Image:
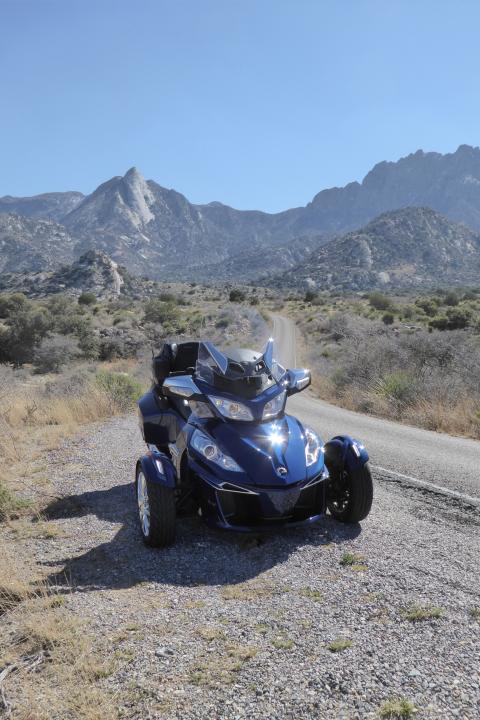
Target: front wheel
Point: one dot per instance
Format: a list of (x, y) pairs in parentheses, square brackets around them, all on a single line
[(350, 496), (156, 510)]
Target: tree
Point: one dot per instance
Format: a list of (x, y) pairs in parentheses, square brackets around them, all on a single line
[(25, 330)]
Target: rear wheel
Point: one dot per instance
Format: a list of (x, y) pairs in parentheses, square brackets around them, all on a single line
[(156, 511), (350, 495)]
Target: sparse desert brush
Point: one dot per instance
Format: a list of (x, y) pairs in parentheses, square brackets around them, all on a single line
[(50, 661)]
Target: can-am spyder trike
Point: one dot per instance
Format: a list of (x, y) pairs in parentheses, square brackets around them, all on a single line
[(221, 445)]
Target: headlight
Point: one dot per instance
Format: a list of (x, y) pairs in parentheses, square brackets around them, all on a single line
[(206, 447), (274, 407), (200, 409), (231, 408), (313, 446)]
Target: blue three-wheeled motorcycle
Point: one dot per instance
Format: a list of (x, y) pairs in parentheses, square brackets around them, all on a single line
[(221, 445)]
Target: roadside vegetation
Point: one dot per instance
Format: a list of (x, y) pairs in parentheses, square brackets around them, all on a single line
[(65, 363), (410, 358)]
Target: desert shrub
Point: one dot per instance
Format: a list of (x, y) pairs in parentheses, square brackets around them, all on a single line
[(26, 327), (236, 295), (222, 322), (456, 318), (439, 323), (8, 502), (451, 298), (87, 298), (398, 387), (88, 344), (428, 305), (122, 389), (159, 311), (254, 300), (379, 301), (11, 302), (388, 318), (54, 352), (310, 295)]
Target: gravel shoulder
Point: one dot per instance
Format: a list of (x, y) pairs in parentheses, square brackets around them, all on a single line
[(234, 626)]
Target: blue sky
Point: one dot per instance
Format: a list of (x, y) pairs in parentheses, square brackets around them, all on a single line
[(256, 103)]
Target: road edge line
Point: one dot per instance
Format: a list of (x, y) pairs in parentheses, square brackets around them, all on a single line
[(430, 487)]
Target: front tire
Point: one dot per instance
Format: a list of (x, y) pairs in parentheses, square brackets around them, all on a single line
[(156, 510), (350, 496)]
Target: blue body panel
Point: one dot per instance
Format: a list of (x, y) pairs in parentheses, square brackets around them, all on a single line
[(161, 472), (352, 452)]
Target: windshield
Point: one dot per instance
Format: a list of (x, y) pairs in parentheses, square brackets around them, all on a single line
[(242, 372)]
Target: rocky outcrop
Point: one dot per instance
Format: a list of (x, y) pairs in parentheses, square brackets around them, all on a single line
[(405, 248)]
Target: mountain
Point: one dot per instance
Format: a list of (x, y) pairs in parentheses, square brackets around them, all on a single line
[(410, 247), (157, 232), (49, 206), (29, 245), (447, 183), (93, 272), (255, 263)]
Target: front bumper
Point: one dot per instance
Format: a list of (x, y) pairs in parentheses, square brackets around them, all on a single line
[(258, 508)]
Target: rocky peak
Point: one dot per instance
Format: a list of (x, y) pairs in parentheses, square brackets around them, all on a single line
[(138, 197)]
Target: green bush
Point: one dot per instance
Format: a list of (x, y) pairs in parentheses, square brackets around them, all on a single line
[(388, 318), (160, 311), (11, 302), (428, 305), (310, 295), (397, 387), (87, 298), (451, 298), (379, 301), (236, 295), (457, 318), (27, 325), (120, 387)]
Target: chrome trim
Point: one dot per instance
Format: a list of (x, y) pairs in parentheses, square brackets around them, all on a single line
[(180, 385), (241, 490)]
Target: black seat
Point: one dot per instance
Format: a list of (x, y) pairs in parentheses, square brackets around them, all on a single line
[(173, 358)]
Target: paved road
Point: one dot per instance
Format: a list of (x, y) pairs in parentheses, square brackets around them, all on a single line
[(407, 453)]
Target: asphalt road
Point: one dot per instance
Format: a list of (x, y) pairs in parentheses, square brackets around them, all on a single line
[(401, 453)]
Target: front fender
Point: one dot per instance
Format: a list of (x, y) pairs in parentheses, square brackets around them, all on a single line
[(343, 452), (158, 468)]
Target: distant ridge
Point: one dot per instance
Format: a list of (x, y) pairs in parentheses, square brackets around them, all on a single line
[(154, 231)]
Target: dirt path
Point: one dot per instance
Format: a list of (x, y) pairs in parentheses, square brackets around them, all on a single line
[(227, 626)]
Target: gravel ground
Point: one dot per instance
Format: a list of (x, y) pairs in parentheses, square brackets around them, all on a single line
[(229, 626)]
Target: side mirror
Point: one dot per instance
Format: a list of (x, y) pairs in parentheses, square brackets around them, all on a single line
[(297, 380), (181, 386)]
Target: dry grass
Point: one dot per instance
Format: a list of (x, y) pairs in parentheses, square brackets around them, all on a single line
[(339, 645), (419, 613), (397, 709), (33, 421), (38, 632)]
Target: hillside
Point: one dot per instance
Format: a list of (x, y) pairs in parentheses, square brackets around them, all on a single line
[(404, 248), (93, 272), (156, 231), (29, 245)]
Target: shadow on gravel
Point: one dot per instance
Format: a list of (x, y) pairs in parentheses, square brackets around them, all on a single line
[(200, 556)]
